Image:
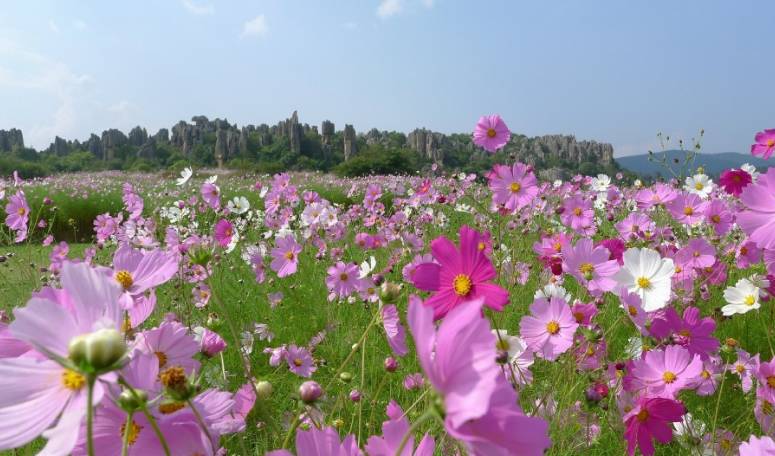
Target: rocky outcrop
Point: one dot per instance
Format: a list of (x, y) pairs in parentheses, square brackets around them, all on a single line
[(137, 136), (327, 131), (111, 140), (560, 147), (291, 129), (10, 139), (162, 136), (427, 143), (350, 146)]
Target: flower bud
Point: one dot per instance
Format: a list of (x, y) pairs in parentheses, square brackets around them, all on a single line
[(389, 292), (346, 377), (310, 391), (264, 389), (355, 396), (391, 364), (98, 350), (131, 400), (501, 357)]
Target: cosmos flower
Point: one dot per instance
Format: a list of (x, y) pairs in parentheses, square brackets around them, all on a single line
[(172, 345), (577, 213), (513, 187), (300, 361), (696, 254), (765, 144), (591, 266), (185, 175), (317, 442), (342, 279), (665, 372), (758, 446), (18, 215), (745, 367), (549, 329), (687, 208), (648, 275), (285, 256), (741, 298), (238, 205), (649, 420), (211, 194), (393, 432), (491, 133), (396, 335), (461, 275), (733, 181), (758, 220), (691, 332), (223, 233), (700, 185)]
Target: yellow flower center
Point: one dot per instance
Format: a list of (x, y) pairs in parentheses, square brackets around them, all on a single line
[(21, 211), (688, 210), (289, 255), (743, 250), (515, 187), (298, 362), (557, 246), (552, 327), (173, 378), (72, 380), (481, 246), (771, 143), (134, 431), (740, 368), (644, 282), (587, 268), (343, 277), (491, 133), (171, 407), (668, 377), (162, 357), (699, 186), (749, 300), (462, 284), (705, 374), (632, 310), (771, 381), (643, 415), (767, 408), (577, 211), (578, 316), (715, 219), (124, 278)]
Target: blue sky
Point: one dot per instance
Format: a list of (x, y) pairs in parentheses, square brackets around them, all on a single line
[(612, 71)]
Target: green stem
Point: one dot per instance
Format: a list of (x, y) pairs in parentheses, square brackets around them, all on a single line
[(430, 413), (91, 379), (354, 350), (292, 430), (157, 431), (127, 431)]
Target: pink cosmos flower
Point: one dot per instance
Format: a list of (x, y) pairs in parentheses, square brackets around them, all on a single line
[(18, 215), (549, 328), (659, 194), (224, 232), (394, 330), (633, 305), (758, 220), (747, 255), (491, 133), (210, 342), (765, 376), (745, 367), (650, 420), (393, 432), (697, 254), (461, 275), (765, 144), (687, 208), (138, 271), (300, 361), (758, 446), (691, 332), (514, 187), (172, 345), (577, 213), (342, 279), (591, 266), (459, 360), (211, 195), (38, 395), (317, 442), (718, 216), (733, 181), (285, 256), (665, 372), (634, 226)]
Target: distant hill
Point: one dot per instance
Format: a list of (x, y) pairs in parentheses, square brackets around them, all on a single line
[(712, 163)]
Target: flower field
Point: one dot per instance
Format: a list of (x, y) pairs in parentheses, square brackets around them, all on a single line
[(224, 313)]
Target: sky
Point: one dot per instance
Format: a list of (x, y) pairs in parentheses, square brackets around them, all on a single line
[(610, 71)]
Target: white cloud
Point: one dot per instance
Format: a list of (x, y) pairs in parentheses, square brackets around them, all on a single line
[(198, 9), (53, 26), (427, 3), (255, 27), (79, 24), (389, 8)]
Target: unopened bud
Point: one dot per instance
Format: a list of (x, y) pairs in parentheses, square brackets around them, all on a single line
[(264, 389), (131, 400), (310, 391), (389, 292), (391, 364), (98, 350), (346, 377)]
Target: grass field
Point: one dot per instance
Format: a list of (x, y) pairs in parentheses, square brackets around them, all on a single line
[(304, 311)]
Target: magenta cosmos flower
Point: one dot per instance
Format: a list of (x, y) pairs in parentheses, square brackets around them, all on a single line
[(577, 213), (697, 254), (491, 133), (691, 332), (651, 419), (342, 279), (211, 194), (665, 372), (549, 328), (224, 232), (733, 181), (393, 432), (18, 215), (285, 256), (317, 442), (513, 187), (765, 144), (758, 220), (460, 276), (38, 395), (481, 408), (591, 266)]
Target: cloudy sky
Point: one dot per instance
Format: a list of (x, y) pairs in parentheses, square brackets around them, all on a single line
[(611, 71)]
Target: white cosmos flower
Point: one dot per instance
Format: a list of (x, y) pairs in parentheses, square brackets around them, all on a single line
[(600, 183), (238, 205), (648, 275), (699, 184), (553, 291), (367, 267), (212, 179), (185, 175), (741, 298), (750, 169)]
